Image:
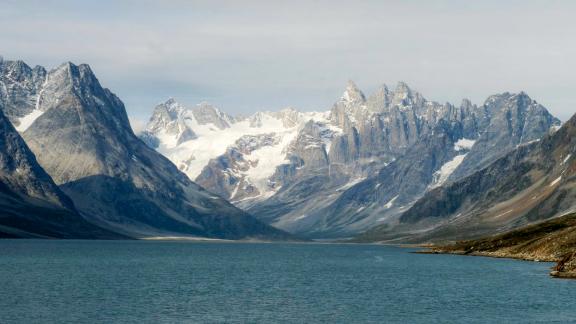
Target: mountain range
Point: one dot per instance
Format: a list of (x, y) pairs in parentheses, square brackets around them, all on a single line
[(389, 167), (531, 183), (80, 135), (337, 173)]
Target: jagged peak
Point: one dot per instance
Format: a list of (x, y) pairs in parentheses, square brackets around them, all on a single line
[(170, 105), (402, 88), (353, 93), (75, 75), (466, 103), (207, 106), (383, 88), (169, 102), (17, 65), (509, 96)]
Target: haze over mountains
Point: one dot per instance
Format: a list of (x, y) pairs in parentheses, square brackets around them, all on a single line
[(391, 166)]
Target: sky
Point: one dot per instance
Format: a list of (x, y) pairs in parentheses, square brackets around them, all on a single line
[(246, 56)]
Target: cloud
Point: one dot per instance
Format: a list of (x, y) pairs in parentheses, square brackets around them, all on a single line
[(248, 55)]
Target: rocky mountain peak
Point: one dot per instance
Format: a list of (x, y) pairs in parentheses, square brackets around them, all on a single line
[(402, 95), (206, 113), (163, 114), (466, 104), (113, 177), (76, 87), (352, 94), (19, 89), (380, 100)]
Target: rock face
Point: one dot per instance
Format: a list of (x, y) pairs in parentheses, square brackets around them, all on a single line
[(84, 141), (364, 162), (529, 184), (513, 119), (394, 147), (20, 87), (552, 240), (31, 204)]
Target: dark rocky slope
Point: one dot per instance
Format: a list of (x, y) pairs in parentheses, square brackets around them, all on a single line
[(84, 141), (31, 204), (552, 240), (532, 183)]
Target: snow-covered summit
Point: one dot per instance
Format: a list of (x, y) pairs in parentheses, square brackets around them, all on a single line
[(202, 136)]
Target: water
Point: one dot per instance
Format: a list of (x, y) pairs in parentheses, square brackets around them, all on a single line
[(180, 282)]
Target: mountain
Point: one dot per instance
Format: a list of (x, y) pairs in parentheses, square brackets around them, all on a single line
[(451, 147), (551, 240), (392, 155), (338, 173), (532, 183), (31, 204), (233, 157), (20, 87), (83, 139)]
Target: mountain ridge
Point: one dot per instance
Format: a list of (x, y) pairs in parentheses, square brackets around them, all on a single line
[(358, 138), (114, 179)]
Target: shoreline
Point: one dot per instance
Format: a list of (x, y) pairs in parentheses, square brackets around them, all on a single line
[(556, 271)]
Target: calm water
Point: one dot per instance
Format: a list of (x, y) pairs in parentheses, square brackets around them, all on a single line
[(173, 282)]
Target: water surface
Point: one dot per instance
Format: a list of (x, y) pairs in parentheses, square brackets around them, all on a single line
[(191, 282)]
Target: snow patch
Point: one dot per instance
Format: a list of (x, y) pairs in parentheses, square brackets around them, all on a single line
[(566, 158), (300, 217), (266, 159), (440, 176), (464, 144), (555, 181), (27, 120), (390, 203)]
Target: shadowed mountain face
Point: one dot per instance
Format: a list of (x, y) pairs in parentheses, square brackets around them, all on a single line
[(31, 204), (83, 139), (533, 182)]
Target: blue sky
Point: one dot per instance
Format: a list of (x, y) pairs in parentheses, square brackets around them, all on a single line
[(246, 56)]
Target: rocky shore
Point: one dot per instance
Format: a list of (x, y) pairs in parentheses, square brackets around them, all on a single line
[(552, 241)]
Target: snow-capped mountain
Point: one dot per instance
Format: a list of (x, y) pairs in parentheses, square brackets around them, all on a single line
[(361, 163), (20, 89), (234, 157), (83, 139)]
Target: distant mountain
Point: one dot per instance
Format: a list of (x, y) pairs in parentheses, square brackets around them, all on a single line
[(83, 139), (532, 183), (394, 147), (337, 173), (31, 204), (234, 157), (453, 147)]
